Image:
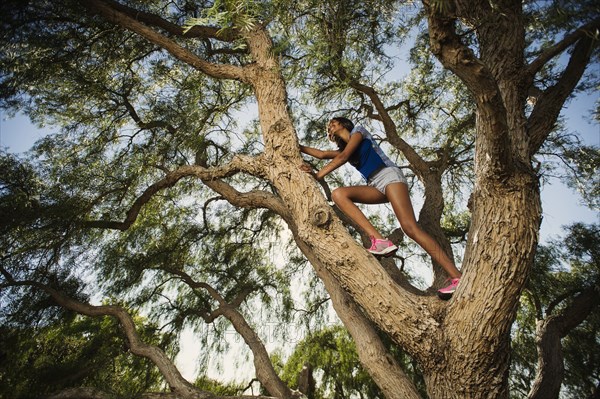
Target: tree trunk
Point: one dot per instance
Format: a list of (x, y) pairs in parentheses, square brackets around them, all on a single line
[(463, 345), (550, 365), (474, 361)]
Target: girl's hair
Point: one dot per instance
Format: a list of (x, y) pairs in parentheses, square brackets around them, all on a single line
[(347, 123)]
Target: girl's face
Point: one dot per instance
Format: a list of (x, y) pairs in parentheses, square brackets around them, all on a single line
[(332, 128)]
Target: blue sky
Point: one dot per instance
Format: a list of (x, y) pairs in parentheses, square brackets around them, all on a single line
[(561, 206)]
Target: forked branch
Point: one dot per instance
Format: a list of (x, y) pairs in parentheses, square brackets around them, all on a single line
[(138, 347), (218, 71), (209, 175)]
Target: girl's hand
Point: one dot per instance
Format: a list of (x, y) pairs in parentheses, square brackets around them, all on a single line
[(307, 168)]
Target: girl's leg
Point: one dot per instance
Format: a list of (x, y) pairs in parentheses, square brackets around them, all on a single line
[(397, 194), (345, 198)]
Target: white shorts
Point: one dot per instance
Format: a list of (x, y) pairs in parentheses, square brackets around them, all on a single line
[(385, 176)]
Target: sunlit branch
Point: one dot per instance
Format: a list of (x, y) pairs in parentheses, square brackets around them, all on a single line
[(174, 29), (219, 71)]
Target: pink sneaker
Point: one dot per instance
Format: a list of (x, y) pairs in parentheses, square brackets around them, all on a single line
[(446, 292), (382, 247)]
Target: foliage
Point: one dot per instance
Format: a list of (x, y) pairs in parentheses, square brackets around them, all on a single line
[(331, 355), (74, 351), (563, 268), (218, 388)]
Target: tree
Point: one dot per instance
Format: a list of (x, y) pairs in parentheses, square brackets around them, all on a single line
[(326, 362), (331, 354), (149, 140), (38, 362), (559, 315)]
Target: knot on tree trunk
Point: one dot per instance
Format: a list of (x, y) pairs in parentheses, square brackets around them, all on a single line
[(321, 217), (280, 138), (278, 126)]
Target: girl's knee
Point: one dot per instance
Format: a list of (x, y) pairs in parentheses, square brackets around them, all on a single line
[(410, 229), (339, 195)]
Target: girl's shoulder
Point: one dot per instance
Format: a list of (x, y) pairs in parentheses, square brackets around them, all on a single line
[(360, 129)]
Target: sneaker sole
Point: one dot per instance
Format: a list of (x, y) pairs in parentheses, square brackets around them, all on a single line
[(387, 251), (445, 295)]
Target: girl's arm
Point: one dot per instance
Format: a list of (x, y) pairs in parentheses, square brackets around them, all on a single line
[(319, 154), (341, 157)]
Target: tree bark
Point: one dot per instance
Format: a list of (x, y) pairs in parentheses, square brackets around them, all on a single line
[(549, 332), (373, 355), (506, 210)]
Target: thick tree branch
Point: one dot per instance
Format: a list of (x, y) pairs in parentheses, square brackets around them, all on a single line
[(207, 32), (373, 355), (551, 101), (238, 164), (536, 65), (173, 377), (447, 46), (263, 366), (549, 332), (252, 199), (218, 71)]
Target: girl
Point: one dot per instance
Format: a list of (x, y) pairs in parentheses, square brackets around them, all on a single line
[(385, 183)]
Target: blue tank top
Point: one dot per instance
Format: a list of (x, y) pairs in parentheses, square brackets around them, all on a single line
[(368, 156)]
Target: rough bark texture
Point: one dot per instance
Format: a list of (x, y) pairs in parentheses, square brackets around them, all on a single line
[(549, 332), (374, 356)]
